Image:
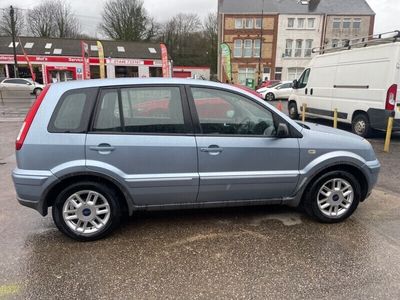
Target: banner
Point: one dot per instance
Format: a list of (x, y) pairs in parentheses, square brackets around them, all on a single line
[(164, 58), (86, 62), (33, 75), (226, 60), (100, 49)]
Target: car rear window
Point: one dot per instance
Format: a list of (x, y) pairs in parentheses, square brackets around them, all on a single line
[(73, 111)]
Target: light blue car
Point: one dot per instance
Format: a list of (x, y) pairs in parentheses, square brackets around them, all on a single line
[(97, 149)]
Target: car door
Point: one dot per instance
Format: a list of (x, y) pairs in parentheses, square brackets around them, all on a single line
[(240, 157), (283, 91), (143, 135)]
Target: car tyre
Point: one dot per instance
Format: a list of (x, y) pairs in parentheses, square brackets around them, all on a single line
[(270, 97), (37, 91), (293, 112), (99, 211), (361, 125), (320, 203)]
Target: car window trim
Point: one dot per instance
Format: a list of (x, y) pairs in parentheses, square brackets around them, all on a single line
[(188, 123), (196, 120)]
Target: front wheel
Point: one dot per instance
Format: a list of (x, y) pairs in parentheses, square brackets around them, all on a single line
[(270, 97), (293, 112), (86, 211), (361, 125), (333, 197)]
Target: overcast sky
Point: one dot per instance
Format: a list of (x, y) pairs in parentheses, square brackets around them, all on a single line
[(89, 12)]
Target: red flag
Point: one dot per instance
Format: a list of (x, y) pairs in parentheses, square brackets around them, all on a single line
[(164, 57), (33, 75), (85, 59)]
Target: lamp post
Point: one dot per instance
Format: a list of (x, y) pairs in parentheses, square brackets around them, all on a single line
[(13, 41), (261, 44)]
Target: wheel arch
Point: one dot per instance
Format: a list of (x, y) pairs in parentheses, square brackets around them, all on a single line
[(52, 191), (359, 112)]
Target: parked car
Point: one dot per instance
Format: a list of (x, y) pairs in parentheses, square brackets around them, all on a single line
[(19, 87), (87, 150), (362, 83), (279, 91), (268, 83)]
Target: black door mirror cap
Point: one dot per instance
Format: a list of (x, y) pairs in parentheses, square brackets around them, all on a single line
[(294, 85), (282, 131)]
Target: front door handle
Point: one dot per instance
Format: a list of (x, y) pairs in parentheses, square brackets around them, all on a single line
[(311, 92), (212, 150), (103, 148), (306, 91)]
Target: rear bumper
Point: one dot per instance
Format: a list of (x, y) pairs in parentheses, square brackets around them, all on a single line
[(30, 187), (379, 119)]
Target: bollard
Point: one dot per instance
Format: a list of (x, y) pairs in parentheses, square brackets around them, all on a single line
[(335, 117), (388, 134), (303, 113)]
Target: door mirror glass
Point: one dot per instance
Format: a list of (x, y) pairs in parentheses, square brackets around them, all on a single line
[(294, 85), (283, 131)]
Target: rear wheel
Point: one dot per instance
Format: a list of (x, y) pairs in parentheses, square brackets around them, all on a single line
[(361, 125), (333, 197), (270, 97), (293, 112), (86, 211)]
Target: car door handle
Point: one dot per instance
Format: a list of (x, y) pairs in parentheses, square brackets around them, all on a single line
[(102, 148), (306, 91), (311, 92), (213, 149)]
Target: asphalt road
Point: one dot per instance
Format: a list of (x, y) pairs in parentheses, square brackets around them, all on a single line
[(258, 253)]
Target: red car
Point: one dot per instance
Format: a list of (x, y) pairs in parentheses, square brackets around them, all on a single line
[(268, 83)]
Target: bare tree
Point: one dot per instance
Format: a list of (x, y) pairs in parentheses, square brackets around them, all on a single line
[(53, 18), (127, 20), (210, 32), (5, 22)]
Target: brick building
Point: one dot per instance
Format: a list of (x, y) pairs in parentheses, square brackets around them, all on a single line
[(285, 31)]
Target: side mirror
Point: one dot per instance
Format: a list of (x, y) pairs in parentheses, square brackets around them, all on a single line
[(295, 83), (283, 131)]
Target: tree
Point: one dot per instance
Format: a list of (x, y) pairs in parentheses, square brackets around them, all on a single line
[(127, 20), (53, 18), (210, 32), (5, 22)]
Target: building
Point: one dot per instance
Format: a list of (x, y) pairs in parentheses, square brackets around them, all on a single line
[(192, 72), (290, 30), (61, 59)]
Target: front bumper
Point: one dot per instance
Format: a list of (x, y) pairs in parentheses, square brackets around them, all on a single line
[(372, 169), (30, 186)]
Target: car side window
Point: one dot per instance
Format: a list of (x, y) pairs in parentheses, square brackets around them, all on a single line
[(141, 110), (226, 113), (302, 83), (72, 112)]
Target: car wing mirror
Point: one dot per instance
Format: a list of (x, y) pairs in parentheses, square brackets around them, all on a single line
[(295, 84), (282, 131)]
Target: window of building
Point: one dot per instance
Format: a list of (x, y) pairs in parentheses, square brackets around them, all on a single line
[(336, 23), (294, 73), (121, 49), (225, 113), (238, 48), (126, 71), (257, 48), (48, 46), (310, 23), (346, 23), (246, 73), (141, 110), (290, 23), (258, 23), (11, 45), (238, 23), (308, 48), (299, 48), (300, 22), (152, 50), (28, 45), (57, 51), (248, 48), (278, 73), (249, 23), (357, 24), (289, 48), (94, 48)]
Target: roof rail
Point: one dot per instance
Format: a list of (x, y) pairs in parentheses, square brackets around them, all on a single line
[(367, 41)]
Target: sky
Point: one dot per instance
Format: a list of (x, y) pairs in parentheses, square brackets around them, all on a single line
[(89, 11)]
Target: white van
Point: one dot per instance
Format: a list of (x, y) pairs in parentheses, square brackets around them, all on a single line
[(362, 82)]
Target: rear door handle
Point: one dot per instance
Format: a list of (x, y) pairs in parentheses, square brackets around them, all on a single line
[(102, 148), (212, 150), (311, 92)]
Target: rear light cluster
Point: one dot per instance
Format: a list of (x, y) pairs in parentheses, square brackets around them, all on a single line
[(29, 119), (391, 97)]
